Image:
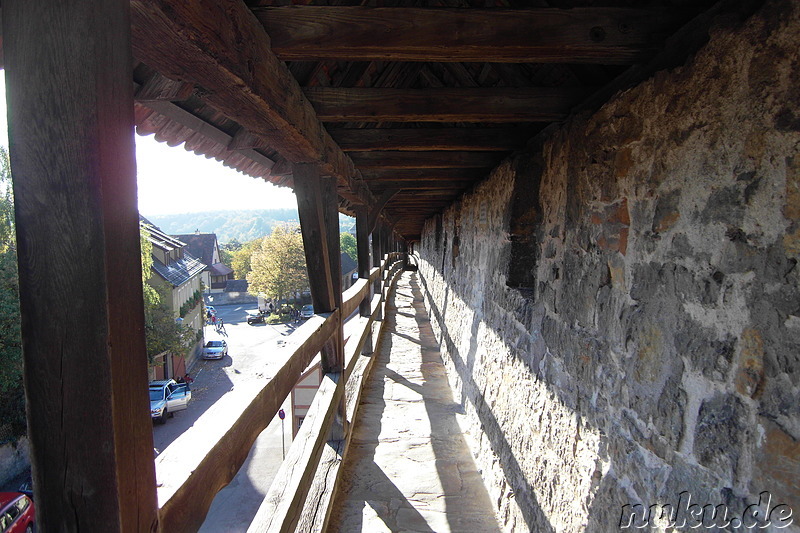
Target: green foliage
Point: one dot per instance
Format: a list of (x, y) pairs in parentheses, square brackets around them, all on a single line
[(278, 264), (12, 392), (7, 237), (278, 319), (240, 261), (190, 304), (151, 298), (348, 245), (162, 331)]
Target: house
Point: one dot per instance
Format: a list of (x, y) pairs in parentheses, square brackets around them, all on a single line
[(180, 273), (205, 247)]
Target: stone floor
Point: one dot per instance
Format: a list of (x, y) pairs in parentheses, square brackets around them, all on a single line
[(408, 467)]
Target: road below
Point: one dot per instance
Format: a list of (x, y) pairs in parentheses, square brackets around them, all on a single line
[(250, 351)]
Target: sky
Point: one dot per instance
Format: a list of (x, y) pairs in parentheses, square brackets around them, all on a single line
[(172, 180)]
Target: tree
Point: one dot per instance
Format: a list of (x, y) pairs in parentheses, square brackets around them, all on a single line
[(278, 264), (12, 392), (348, 245), (240, 260), (227, 250)]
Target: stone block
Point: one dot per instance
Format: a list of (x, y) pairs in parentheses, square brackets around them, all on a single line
[(777, 466), (722, 427)]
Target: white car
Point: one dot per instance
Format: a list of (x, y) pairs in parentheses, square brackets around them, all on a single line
[(166, 397), (215, 349), (307, 311)]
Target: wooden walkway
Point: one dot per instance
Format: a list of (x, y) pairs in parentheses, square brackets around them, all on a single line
[(408, 467)]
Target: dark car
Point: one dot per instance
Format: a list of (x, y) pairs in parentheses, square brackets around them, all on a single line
[(16, 513), (255, 318)]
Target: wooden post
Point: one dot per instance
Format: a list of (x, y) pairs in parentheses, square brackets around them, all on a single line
[(362, 247), (68, 66), (364, 264), (317, 208)]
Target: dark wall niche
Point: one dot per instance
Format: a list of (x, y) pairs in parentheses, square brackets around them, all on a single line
[(526, 217)]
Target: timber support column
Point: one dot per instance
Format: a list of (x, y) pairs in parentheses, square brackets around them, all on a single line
[(68, 66), (362, 248), (317, 207), (377, 286)]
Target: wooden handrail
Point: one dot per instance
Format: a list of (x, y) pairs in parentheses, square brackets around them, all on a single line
[(217, 445), (208, 455), (352, 297)]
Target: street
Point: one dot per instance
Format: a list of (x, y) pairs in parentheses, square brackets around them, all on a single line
[(249, 351)]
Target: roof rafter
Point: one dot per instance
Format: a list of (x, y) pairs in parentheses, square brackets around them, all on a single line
[(419, 139), (498, 104), (578, 35), (223, 49)]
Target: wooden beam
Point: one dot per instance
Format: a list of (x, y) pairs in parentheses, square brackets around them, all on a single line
[(426, 160), (373, 175), (494, 105), (223, 49), (317, 207), (69, 71), (579, 35), (160, 88), (195, 123), (422, 139), (377, 186)]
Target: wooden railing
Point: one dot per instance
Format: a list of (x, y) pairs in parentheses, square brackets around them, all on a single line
[(207, 456)]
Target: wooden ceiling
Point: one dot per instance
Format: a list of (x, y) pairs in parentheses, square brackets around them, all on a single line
[(411, 100)]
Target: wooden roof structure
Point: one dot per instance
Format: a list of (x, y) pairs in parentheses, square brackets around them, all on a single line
[(407, 102), (391, 110)]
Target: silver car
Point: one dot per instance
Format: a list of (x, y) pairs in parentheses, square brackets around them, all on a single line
[(166, 397), (215, 349)]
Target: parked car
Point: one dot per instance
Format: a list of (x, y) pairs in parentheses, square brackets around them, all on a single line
[(255, 318), (26, 487), (166, 397), (307, 311), (16, 513), (215, 349)]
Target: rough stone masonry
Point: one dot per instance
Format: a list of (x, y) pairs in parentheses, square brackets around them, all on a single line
[(618, 306)]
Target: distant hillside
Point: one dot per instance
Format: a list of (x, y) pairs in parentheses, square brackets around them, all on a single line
[(243, 225)]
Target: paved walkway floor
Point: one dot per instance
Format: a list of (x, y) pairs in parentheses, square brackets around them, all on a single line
[(408, 467)]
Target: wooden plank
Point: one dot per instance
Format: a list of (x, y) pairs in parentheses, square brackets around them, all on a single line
[(428, 174), (378, 186), (207, 456), (424, 139), (496, 105), (426, 160), (578, 35), (222, 48), (281, 509), (353, 296), (69, 70), (161, 88)]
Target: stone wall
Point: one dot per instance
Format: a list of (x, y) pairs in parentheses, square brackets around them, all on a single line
[(651, 342)]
